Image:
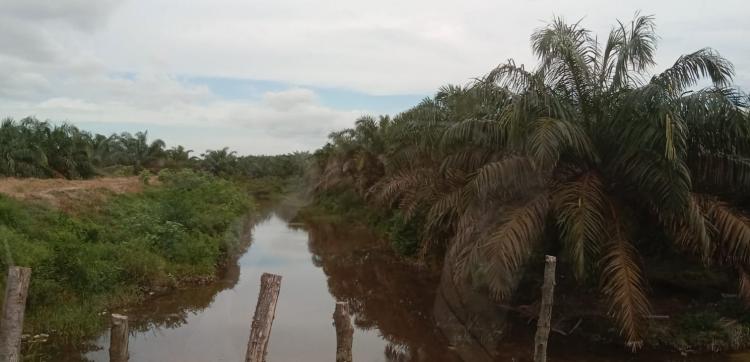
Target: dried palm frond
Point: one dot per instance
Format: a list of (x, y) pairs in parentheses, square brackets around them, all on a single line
[(624, 287), (581, 207)]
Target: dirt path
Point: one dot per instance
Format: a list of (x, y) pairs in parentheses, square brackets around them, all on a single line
[(69, 195)]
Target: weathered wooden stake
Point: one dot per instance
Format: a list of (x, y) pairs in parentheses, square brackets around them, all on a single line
[(344, 332), (265, 310), (118, 339), (545, 310), (11, 325)]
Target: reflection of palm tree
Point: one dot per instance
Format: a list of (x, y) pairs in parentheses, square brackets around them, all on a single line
[(382, 292), (396, 353)]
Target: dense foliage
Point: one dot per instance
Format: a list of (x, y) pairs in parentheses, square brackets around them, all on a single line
[(82, 264), (587, 155), (32, 148)]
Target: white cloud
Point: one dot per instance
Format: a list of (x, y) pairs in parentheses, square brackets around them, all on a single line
[(389, 46), (121, 60), (280, 122)]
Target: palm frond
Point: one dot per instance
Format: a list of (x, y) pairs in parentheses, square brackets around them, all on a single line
[(732, 232), (505, 251), (551, 137), (692, 230), (507, 176), (623, 285), (634, 47), (690, 68), (581, 208)]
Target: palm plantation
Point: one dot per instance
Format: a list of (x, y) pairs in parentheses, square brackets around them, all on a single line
[(589, 155)]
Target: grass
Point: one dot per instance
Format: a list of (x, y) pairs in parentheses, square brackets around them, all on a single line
[(346, 206), (96, 259)]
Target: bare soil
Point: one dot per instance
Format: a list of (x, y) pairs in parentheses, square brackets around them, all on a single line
[(69, 195)]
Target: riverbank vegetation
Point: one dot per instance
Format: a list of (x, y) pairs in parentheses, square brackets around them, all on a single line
[(589, 156), (93, 249), (34, 148), (83, 264)]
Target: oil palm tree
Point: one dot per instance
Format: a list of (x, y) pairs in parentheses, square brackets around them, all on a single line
[(358, 158), (590, 146), (135, 150), (219, 162), (179, 157)]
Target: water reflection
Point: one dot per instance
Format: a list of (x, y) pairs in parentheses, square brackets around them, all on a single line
[(401, 312), (211, 323), (383, 293)]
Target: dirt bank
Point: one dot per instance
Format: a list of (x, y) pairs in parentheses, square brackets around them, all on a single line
[(69, 195)]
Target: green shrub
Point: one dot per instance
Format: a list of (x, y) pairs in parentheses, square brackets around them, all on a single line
[(98, 259), (405, 234)]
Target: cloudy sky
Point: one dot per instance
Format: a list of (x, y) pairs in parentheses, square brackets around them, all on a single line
[(275, 76)]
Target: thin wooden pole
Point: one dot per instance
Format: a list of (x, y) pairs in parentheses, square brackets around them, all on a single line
[(344, 332), (118, 339), (545, 310), (11, 325), (265, 311)]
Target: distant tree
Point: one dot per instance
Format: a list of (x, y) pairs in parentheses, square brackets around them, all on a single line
[(34, 148), (136, 151), (219, 162), (179, 157)]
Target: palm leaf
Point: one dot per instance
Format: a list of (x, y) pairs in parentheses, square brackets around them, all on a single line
[(507, 176), (732, 232), (690, 68), (581, 208), (623, 285), (505, 251)]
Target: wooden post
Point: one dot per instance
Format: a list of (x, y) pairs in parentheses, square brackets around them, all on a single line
[(545, 310), (11, 325), (118, 339), (344, 332), (265, 310)]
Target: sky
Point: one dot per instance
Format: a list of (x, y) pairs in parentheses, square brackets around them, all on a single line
[(276, 76)]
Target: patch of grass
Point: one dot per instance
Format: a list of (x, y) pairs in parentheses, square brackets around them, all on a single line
[(711, 328), (93, 260), (346, 206)]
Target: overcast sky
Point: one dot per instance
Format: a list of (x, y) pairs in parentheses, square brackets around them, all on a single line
[(275, 76)]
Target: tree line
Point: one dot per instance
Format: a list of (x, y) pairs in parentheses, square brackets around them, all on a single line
[(33, 148), (588, 155)]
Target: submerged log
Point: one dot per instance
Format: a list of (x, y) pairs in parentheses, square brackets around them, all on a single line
[(265, 311), (118, 339), (545, 310), (11, 325), (344, 332)]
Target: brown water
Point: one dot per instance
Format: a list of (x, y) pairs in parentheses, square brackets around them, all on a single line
[(400, 312)]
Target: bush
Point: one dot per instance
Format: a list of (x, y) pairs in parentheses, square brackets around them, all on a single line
[(404, 234), (96, 260)]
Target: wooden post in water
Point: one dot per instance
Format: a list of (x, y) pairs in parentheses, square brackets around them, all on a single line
[(545, 310), (118, 339), (344, 332), (11, 325), (265, 310)]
